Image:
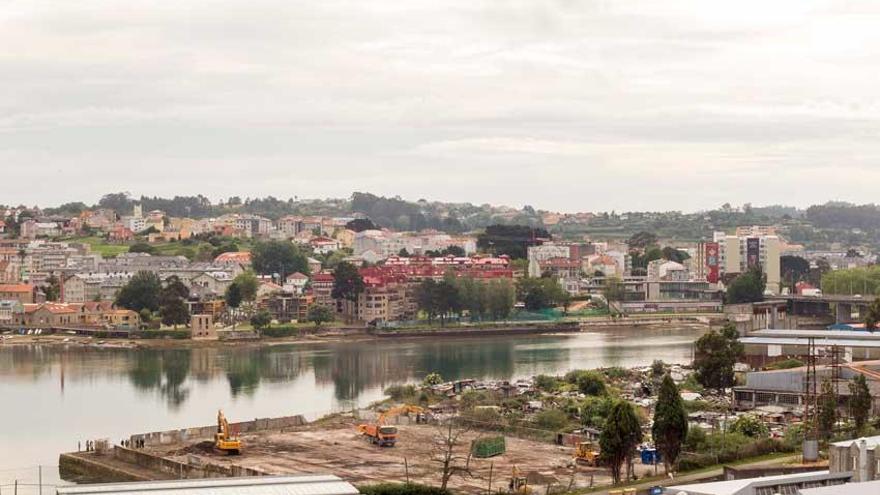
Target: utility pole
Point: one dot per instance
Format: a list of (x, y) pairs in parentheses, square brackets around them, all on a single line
[(40, 478)]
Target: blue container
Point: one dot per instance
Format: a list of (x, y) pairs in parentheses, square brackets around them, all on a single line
[(650, 457)]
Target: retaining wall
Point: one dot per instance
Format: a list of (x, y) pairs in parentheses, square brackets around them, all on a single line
[(193, 468), (207, 432)]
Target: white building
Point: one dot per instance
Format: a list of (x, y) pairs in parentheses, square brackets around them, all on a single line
[(737, 254)]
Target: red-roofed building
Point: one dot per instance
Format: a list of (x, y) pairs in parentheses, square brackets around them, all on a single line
[(324, 245), (242, 258), (23, 293)]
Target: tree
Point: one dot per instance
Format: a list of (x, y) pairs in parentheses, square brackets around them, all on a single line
[(670, 422), (233, 298), (793, 269), (540, 293), (613, 290), (248, 284), (319, 314), (676, 255), (860, 402), (141, 247), (261, 319), (512, 240), (347, 282), (174, 312), (591, 383), (53, 288), (872, 315), (747, 288), (642, 240), (403, 253), (450, 451), (426, 298), (716, 355), (620, 436), (360, 225), (750, 426), (174, 288), (278, 257), (141, 292), (432, 379), (500, 298), (827, 409)]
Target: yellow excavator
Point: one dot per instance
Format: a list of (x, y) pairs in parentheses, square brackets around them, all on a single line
[(223, 439), (518, 483), (587, 453), (379, 433)]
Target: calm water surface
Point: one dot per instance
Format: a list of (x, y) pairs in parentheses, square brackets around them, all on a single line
[(53, 397)]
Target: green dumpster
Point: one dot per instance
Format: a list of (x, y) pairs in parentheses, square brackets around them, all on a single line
[(488, 447)]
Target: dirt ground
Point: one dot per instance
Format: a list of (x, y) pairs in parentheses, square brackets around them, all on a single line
[(336, 448)]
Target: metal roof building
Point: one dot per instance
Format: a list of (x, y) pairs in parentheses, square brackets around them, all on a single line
[(867, 488), (254, 485)]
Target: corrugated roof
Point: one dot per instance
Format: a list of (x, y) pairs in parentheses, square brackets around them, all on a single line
[(866, 488), (737, 487), (253, 485), (819, 342)]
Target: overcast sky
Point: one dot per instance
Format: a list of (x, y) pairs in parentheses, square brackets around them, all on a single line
[(570, 105)]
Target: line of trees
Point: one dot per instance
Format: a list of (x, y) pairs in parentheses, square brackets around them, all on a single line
[(451, 297), (146, 294)]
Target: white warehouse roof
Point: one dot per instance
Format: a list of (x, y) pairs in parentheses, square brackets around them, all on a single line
[(253, 485)]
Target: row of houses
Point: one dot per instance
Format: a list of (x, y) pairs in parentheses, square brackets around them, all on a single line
[(98, 315)]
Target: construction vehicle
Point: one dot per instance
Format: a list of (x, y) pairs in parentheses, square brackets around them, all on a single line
[(587, 453), (518, 483), (383, 435), (223, 440)]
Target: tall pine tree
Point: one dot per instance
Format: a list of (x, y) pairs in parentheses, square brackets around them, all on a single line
[(670, 422), (621, 435)]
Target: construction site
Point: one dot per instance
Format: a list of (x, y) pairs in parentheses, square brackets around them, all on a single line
[(414, 450)]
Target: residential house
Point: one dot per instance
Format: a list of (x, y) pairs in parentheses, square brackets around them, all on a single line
[(322, 289), (296, 283), (23, 293), (10, 311), (324, 245), (211, 283)]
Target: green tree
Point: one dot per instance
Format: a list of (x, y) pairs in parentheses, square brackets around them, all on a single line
[(261, 319), (613, 289), (248, 284), (827, 409), (642, 240), (620, 436), (860, 402), (750, 426), (591, 383), (278, 257), (500, 298), (670, 422), (174, 312), (319, 314), (141, 292), (432, 379), (53, 288), (540, 293), (716, 355), (551, 420), (427, 298), (747, 288), (141, 247), (347, 282), (233, 298), (872, 315)]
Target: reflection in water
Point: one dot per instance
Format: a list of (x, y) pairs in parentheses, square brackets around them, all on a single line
[(116, 392)]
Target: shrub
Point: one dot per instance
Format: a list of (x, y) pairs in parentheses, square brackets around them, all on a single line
[(162, 334), (398, 392), (551, 419), (591, 383), (546, 383), (594, 410), (280, 331), (401, 489), (786, 364), (750, 426)]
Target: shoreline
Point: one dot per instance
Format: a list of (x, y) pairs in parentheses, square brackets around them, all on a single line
[(358, 334)]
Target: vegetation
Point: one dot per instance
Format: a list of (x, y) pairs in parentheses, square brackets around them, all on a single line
[(141, 292), (261, 319), (827, 409), (864, 281), (786, 364), (716, 355), (512, 240), (401, 489), (278, 257), (860, 402), (541, 293), (747, 288), (620, 436), (319, 314), (347, 282), (670, 422), (750, 426), (432, 379)]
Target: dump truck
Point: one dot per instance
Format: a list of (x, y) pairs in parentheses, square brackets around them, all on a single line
[(224, 441), (383, 435)]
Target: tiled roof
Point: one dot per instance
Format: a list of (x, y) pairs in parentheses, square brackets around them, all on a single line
[(16, 288)]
